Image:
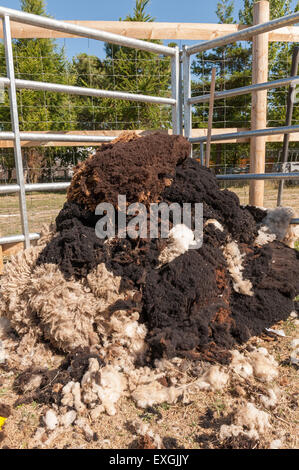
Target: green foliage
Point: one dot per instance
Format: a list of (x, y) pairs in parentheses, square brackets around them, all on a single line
[(40, 60), (225, 10), (139, 12), (234, 69), (128, 70), (36, 7)]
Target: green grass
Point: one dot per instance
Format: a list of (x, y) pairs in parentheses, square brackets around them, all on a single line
[(42, 208)]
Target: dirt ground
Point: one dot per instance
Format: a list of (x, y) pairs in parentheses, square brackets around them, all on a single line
[(193, 425)]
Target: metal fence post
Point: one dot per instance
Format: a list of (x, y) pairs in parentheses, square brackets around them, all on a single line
[(15, 126), (187, 96), (181, 91), (175, 89), (289, 116), (202, 153)]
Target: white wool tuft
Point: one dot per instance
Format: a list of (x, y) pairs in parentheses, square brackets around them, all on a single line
[(182, 234), (278, 222), (215, 223), (270, 400), (144, 430), (105, 385), (234, 261), (214, 378), (3, 355), (51, 420), (276, 444), (83, 424), (68, 418), (154, 393), (295, 343), (265, 368), (112, 385), (179, 240), (248, 421), (264, 236), (128, 332), (240, 365), (232, 430), (250, 417), (291, 236), (294, 358), (72, 396)]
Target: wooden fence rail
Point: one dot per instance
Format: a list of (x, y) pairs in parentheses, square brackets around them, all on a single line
[(155, 30), (294, 137)]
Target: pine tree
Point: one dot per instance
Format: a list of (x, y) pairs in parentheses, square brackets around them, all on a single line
[(89, 71), (39, 60), (129, 70), (234, 69), (280, 57), (140, 72)]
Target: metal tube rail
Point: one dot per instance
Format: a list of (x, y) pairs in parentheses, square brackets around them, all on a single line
[(244, 34), (9, 188), (259, 176), (75, 90), (18, 238), (187, 94), (15, 188), (57, 25), (243, 90), (175, 91), (38, 137), (243, 134)]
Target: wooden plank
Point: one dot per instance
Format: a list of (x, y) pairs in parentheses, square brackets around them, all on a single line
[(26, 143), (294, 137), (10, 249), (155, 30), (260, 52)]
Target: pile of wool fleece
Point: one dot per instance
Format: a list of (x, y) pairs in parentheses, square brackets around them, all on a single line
[(133, 302)]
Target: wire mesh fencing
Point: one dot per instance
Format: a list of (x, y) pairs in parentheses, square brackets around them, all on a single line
[(123, 70), (133, 71), (234, 70)]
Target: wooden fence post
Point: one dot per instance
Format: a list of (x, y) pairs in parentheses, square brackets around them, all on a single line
[(261, 14)]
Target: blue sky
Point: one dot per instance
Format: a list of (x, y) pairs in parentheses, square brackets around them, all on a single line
[(198, 11)]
